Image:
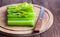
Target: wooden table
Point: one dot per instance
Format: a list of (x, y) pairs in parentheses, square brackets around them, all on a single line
[(52, 5)]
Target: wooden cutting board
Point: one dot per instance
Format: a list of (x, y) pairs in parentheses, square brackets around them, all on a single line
[(47, 22)]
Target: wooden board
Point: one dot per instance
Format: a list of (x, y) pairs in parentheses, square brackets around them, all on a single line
[(47, 21), (6, 2), (0, 3)]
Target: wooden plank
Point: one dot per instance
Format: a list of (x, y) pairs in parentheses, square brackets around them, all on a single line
[(6, 2), (0, 2), (39, 2)]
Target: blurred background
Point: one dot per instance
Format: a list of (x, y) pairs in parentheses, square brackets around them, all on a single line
[(52, 5)]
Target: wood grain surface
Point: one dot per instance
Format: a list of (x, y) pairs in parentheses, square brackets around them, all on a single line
[(53, 6), (0, 2)]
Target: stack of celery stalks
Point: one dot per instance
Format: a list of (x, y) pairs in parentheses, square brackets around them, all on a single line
[(21, 14)]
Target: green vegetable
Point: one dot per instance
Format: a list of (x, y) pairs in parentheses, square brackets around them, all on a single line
[(29, 23), (20, 12)]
